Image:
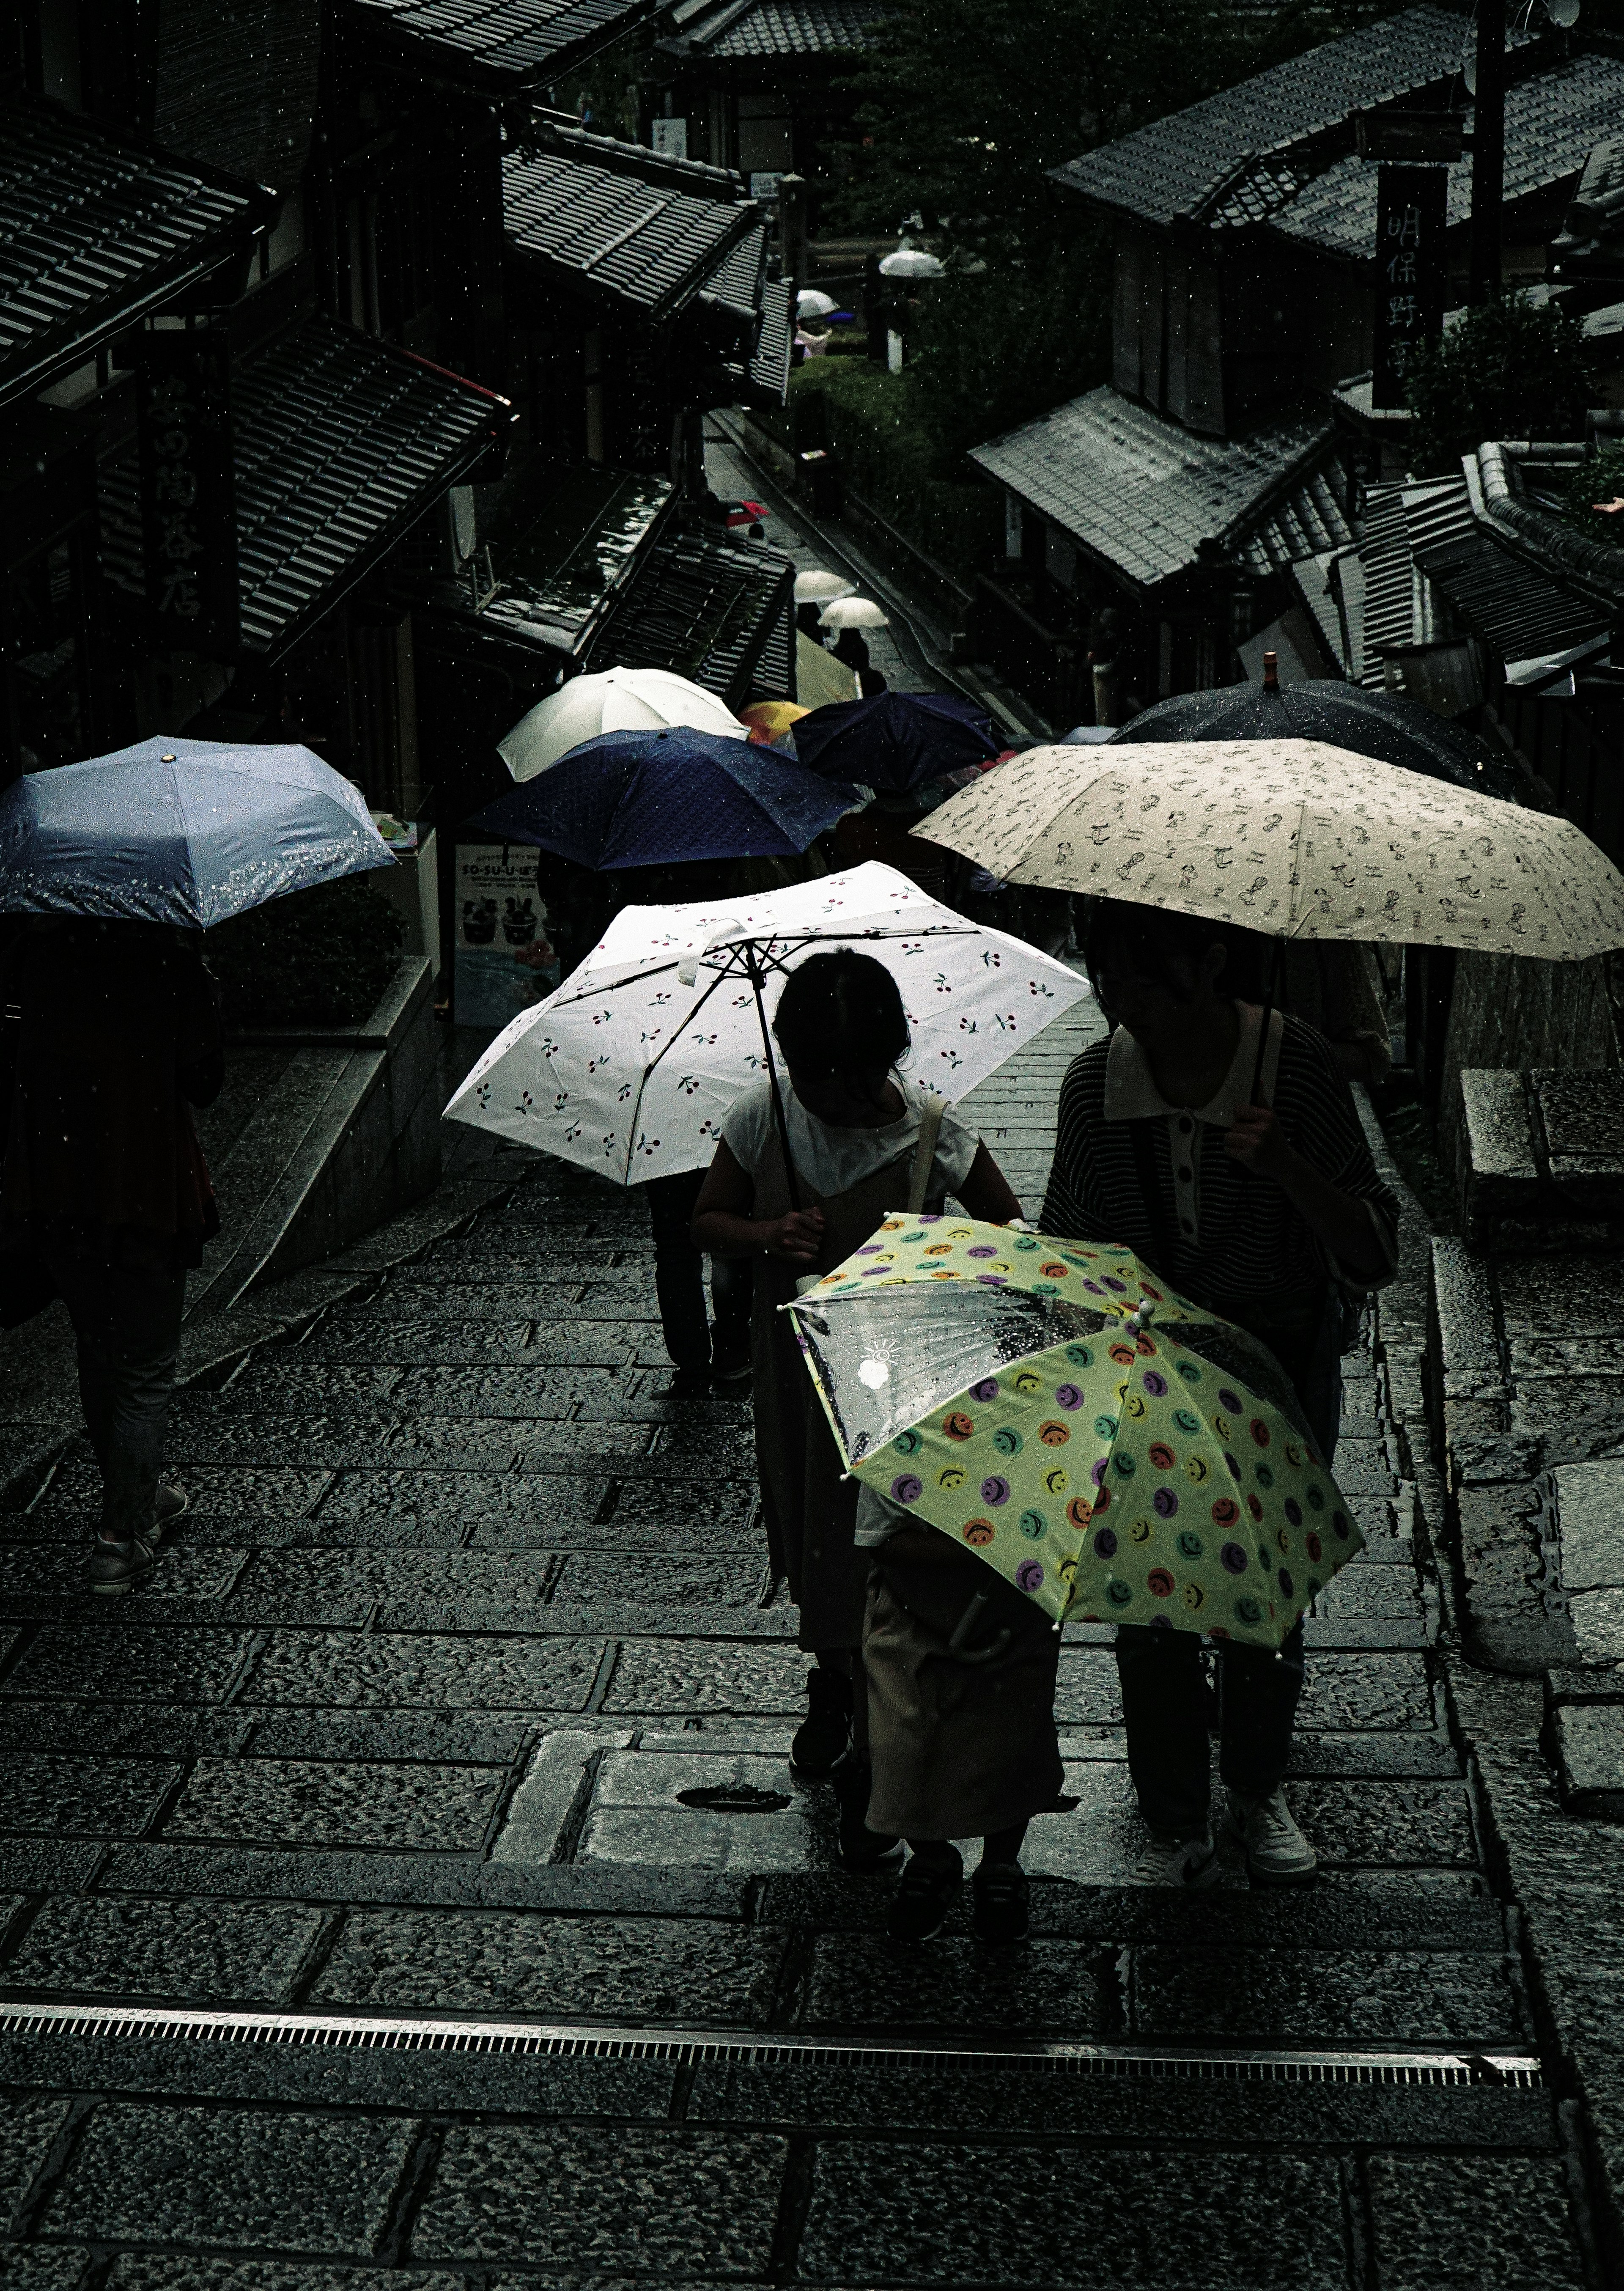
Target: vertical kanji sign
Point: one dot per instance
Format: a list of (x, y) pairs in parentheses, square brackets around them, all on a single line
[(188, 511), (1412, 216)]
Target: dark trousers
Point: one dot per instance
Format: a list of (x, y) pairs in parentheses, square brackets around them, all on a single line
[(1165, 1701), (126, 1317), (678, 1278)]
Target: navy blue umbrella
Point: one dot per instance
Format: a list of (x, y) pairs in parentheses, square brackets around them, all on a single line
[(641, 799), (1387, 726), (896, 740), (186, 831)]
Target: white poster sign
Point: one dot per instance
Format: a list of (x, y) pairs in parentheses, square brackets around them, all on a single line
[(504, 960)]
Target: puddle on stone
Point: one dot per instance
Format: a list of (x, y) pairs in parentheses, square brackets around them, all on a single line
[(737, 1797)]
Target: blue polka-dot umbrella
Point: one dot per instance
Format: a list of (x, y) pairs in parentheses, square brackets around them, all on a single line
[(1116, 1452)]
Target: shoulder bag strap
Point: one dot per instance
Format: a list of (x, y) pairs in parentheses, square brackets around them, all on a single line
[(924, 1153)]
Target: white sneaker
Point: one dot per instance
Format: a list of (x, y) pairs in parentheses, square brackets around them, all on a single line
[(1277, 1854), (1187, 1863)]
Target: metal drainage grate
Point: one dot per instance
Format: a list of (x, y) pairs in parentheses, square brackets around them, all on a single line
[(685, 2047)]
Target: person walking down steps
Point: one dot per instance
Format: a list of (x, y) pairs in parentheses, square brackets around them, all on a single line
[(1273, 1215), (103, 1184), (864, 1141)]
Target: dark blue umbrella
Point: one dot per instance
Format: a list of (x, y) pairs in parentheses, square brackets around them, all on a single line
[(896, 740), (1387, 726), (642, 799), (186, 831)]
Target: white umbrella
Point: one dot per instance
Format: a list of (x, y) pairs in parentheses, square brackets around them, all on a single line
[(631, 1067), (1293, 837), (616, 700), (912, 262), (816, 587), (812, 303), (853, 612)]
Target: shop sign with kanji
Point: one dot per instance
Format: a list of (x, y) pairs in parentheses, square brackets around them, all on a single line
[(1412, 216), (188, 521)]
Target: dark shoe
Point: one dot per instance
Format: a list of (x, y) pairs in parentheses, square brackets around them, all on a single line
[(864, 1852), (729, 1367), (1002, 1907), (170, 1503), (926, 1892), (689, 1384), (114, 1567), (821, 1736)]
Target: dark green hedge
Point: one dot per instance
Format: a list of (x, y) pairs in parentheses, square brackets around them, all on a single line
[(318, 958)]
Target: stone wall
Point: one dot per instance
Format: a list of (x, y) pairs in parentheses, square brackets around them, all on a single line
[(347, 1136), (1527, 1371), (1513, 1010)]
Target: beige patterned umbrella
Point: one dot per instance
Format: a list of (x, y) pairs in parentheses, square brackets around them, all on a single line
[(1293, 837)]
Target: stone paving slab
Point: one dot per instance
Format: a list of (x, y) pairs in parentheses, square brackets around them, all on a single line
[(455, 1693)]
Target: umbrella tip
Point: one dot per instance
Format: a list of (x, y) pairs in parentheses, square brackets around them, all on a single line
[(1271, 671), (167, 759)]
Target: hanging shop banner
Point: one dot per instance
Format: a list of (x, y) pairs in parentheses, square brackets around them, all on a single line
[(504, 961), (188, 510), (1412, 216)]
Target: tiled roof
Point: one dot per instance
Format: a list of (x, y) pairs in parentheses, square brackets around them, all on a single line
[(93, 233), (786, 27), (1181, 165), (500, 48), (1144, 497), (1309, 520), (340, 444), (1398, 521), (704, 603), (737, 280), (1516, 608), (1553, 120), (616, 220), (769, 368)]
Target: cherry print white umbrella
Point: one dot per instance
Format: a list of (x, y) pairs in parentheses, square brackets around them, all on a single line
[(631, 1067)]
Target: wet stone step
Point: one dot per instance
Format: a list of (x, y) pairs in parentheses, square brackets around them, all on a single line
[(434, 1808), (1359, 1997)]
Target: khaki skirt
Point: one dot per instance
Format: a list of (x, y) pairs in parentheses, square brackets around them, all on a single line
[(959, 1747)]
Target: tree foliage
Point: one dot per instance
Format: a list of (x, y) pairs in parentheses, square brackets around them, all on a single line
[(1509, 368)]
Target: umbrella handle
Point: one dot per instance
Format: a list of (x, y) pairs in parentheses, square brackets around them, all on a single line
[(772, 1077), (1277, 966)]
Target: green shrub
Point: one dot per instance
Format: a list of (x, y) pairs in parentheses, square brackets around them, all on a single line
[(318, 958), (1599, 478), (1509, 369)]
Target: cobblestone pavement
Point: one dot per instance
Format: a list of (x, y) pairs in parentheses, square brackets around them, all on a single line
[(435, 1708)]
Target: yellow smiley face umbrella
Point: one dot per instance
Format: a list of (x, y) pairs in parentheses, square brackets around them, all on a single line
[(1116, 1452)]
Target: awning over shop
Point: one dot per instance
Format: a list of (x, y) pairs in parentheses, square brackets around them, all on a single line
[(496, 47), (615, 220), (555, 582), (708, 606), (1148, 500), (339, 443), (95, 231)]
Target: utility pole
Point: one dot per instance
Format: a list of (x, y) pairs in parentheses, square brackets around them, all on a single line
[(1488, 151)]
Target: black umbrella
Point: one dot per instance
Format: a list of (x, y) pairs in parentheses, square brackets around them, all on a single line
[(895, 741), (1383, 725)]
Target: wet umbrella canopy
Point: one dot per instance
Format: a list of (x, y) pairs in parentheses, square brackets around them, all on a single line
[(1386, 726), (896, 740), (1114, 1451), (187, 831), (639, 798)]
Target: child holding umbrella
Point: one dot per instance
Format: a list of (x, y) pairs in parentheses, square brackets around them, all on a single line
[(1264, 1204), (863, 1141)]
